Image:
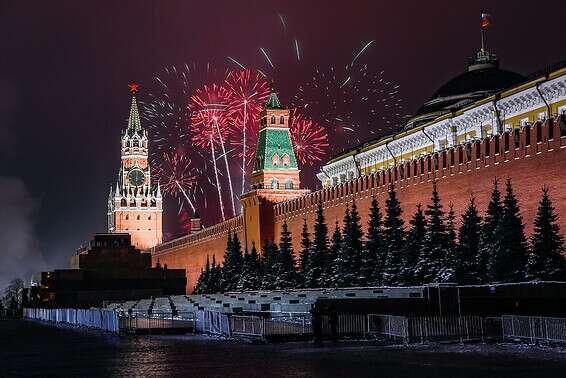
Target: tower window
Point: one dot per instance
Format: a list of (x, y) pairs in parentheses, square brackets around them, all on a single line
[(282, 120), (149, 217), (138, 217), (127, 217), (275, 159), (285, 160), (273, 119), (274, 184), (289, 184)]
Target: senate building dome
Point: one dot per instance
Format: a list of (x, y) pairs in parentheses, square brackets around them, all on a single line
[(482, 78)]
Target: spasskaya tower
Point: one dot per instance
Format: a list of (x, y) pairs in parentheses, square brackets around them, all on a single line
[(135, 206)]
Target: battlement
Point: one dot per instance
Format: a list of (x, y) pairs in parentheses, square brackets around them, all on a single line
[(219, 230), (521, 143)]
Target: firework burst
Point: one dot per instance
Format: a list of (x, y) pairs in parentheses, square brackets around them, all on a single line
[(247, 94), (176, 176), (309, 139), (209, 124)]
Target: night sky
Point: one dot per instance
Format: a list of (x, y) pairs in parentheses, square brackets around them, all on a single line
[(65, 66)]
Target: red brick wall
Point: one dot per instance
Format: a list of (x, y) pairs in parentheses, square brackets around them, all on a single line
[(191, 255), (530, 166)]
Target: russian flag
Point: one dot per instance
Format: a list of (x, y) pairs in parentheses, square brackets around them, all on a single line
[(485, 20)]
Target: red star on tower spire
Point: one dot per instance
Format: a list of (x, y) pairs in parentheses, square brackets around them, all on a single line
[(133, 87)]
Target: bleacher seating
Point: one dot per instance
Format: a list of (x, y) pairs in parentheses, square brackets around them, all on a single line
[(275, 302)]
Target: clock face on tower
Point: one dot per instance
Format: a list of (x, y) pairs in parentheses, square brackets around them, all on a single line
[(136, 177)]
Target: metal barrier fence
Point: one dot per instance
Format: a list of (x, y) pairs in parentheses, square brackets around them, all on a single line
[(389, 325), (427, 328), (344, 324), (534, 328), (106, 320), (436, 328), (213, 322), (246, 325), (142, 322), (288, 326)]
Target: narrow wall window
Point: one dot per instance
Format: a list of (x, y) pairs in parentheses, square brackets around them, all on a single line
[(539, 133), (517, 137), (282, 120), (273, 119), (506, 141)]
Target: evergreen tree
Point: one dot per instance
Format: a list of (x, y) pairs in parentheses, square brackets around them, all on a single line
[(350, 256), (448, 263), (343, 260), (393, 237), (546, 261), (466, 268), (333, 252), (203, 278), (509, 258), (233, 262), (287, 275), (214, 282), (412, 247), (270, 266), (304, 266), (487, 236), (319, 251), (435, 246), (374, 255), (255, 269), (244, 283)]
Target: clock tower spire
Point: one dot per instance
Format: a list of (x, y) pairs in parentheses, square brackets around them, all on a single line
[(135, 206)]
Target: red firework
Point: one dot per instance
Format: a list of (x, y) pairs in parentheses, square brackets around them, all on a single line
[(176, 175), (310, 140), (208, 107), (247, 94)]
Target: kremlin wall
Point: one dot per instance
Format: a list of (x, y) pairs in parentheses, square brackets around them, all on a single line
[(502, 131)]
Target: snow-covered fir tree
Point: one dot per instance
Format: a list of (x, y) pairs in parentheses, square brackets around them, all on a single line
[(435, 246), (393, 238), (334, 250), (448, 263), (546, 261), (466, 268), (343, 260), (270, 265), (233, 262), (250, 278), (349, 257), (202, 282), (412, 247), (509, 258), (214, 282), (286, 277), (319, 251), (304, 266), (487, 235), (373, 257)]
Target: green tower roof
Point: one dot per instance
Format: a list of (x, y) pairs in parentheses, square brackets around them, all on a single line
[(273, 100)]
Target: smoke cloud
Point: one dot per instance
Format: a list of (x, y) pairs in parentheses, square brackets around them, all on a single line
[(19, 251)]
